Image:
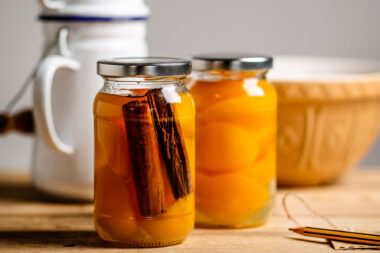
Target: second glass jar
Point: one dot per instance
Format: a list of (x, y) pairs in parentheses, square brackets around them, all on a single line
[(236, 126)]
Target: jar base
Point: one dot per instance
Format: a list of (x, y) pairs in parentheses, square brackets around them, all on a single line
[(117, 244), (257, 219), (217, 226), (143, 233)]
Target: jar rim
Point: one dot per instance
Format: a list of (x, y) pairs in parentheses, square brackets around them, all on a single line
[(144, 66)]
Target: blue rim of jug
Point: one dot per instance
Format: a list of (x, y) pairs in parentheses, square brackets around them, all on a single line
[(73, 18)]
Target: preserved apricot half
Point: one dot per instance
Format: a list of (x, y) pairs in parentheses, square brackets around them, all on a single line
[(208, 93), (111, 136), (245, 112), (264, 170), (120, 230), (223, 147), (178, 221), (186, 108), (113, 197), (228, 199)]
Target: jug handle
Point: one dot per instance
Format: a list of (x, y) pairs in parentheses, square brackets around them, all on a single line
[(52, 5), (42, 100)]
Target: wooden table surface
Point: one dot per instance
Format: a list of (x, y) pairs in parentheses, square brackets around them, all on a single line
[(30, 222)]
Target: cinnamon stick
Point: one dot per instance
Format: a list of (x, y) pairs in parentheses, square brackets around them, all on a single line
[(169, 137), (145, 158)]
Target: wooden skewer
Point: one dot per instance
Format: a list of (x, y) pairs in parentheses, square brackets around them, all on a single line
[(338, 235)]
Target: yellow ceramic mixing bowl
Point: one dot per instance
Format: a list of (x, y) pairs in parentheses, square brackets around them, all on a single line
[(329, 116)]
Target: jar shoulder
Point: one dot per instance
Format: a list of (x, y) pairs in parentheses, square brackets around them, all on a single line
[(250, 90), (108, 105)]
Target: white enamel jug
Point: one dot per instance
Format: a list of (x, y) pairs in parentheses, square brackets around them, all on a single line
[(81, 32)]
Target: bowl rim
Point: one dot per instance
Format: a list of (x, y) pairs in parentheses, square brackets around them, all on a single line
[(337, 85), (322, 69)]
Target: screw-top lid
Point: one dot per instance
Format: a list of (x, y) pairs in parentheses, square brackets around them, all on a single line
[(146, 66), (231, 61)]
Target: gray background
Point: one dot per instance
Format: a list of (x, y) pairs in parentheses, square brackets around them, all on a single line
[(183, 27)]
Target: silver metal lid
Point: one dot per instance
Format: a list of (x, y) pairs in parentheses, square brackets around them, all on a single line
[(231, 61), (146, 66)]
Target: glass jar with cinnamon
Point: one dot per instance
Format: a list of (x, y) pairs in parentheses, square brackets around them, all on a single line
[(144, 152), (235, 139)]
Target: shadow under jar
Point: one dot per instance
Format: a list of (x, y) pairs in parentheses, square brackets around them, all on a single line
[(144, 152), (235, 139)]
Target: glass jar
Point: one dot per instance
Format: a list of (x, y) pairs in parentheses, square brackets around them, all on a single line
[(235, 140), (144, 152)]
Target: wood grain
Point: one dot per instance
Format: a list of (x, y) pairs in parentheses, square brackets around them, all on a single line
[(30, 221)]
